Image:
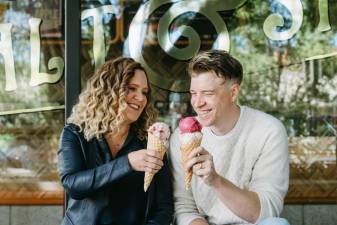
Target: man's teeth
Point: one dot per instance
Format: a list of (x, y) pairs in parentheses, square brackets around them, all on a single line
[(204, 113)]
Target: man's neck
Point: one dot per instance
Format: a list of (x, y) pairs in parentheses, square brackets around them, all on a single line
[(228, 123)]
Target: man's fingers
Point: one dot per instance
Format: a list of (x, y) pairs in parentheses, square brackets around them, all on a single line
[(197, 159), (197, 151)]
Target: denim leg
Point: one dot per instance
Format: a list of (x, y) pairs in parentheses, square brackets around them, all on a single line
[(274, 221)]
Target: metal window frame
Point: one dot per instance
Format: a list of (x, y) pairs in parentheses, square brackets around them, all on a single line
[(72, 53), (72, 59)]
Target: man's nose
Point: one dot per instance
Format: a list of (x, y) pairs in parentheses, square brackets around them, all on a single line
[(198, 101)]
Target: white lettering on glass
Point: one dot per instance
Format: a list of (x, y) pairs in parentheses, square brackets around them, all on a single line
[(324, 23), (6, 50), (138, 28), (54, 63), (99, 41), (276, 20), (206, 8)]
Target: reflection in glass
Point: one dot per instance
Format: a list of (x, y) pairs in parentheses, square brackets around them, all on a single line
[(31, 100), (289, 63), (28, 155)]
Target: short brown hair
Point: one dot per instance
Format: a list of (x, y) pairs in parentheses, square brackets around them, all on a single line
[(221, 62)]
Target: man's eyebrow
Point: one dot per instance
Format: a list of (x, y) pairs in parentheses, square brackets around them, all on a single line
[(210, 90)]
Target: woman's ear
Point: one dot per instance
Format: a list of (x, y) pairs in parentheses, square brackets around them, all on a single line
[(235, 90)]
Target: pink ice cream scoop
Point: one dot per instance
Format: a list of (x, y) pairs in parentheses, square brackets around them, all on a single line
[(160, 130), (189, 125), (158, 140), (190, 138)]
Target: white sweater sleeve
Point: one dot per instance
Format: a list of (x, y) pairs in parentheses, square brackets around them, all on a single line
[(185, 208), (270, 175)]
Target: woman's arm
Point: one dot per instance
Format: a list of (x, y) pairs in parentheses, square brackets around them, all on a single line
[(162, 209), (78, 181)]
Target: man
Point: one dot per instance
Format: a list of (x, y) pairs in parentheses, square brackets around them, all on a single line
[(241, 170)]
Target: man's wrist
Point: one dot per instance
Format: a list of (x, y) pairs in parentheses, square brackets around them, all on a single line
[(199, 221), (217, 181)]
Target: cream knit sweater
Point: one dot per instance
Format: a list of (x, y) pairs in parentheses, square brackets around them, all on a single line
[(253, 156)]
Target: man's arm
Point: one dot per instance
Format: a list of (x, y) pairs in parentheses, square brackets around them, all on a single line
[(199, 222), (243, 203), (185, 208), (270, 175), (269, 183)]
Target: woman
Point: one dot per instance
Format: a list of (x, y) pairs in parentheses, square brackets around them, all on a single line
[(102, 155)]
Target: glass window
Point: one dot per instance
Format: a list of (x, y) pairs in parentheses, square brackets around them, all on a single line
[(31, 100), (287, 49)]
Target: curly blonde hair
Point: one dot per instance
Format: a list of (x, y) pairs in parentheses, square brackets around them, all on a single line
[(102, 103)]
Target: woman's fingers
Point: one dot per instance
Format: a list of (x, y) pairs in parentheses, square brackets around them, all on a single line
[(154, 153), (146, 160), (151, 170), (154, 159)]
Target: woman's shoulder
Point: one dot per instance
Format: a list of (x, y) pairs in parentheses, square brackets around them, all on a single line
[(73, 128)]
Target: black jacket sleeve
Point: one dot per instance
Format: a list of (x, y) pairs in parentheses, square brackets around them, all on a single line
[(79, 181), (162, 206)]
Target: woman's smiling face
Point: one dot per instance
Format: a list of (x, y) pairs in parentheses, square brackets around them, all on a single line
[(136, 96)]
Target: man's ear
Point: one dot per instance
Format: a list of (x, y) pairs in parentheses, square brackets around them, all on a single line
[(235, 90)]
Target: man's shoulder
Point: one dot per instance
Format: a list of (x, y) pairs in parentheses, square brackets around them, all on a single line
[(262, 119)]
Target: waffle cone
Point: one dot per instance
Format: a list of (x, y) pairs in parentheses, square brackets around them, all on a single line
[(185, 151), (154, 143)]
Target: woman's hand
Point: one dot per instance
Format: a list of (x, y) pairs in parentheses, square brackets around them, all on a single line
[(146, 160)]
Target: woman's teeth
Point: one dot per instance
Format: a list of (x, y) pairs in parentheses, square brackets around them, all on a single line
[(134, 106)]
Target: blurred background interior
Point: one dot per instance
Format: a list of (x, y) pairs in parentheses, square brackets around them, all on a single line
[(288, 49)]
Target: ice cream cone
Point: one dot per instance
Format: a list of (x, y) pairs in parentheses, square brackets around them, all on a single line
[(185, 151), (154, 143)]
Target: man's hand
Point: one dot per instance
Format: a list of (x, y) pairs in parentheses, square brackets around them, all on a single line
[(199, 222), (243, 203), (201, 163)]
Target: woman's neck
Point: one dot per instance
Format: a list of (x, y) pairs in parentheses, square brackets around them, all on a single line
[(116, 140), (122, 131)]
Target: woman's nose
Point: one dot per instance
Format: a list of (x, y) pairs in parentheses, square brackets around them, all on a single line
[(139, 96)]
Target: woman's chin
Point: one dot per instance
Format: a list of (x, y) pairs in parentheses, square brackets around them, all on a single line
[(131, 119)]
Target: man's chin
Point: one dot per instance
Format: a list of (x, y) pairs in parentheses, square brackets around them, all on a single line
[(205, 122)]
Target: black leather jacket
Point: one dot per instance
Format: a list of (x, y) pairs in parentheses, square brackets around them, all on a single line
[(85, 177)]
